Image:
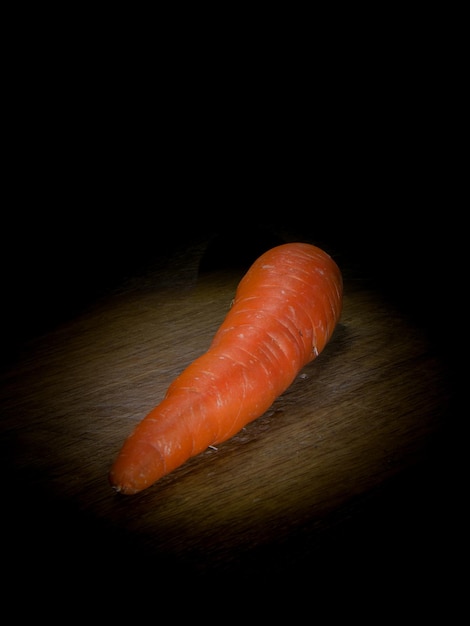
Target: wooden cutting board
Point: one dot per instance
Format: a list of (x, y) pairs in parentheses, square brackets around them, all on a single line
[(337, 472)]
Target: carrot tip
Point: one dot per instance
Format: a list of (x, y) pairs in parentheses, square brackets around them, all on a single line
[(122, 488)]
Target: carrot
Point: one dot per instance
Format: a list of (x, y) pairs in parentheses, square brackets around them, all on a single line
[(285, 310)]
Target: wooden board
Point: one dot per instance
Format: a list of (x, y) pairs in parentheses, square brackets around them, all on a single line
[(336, 473)]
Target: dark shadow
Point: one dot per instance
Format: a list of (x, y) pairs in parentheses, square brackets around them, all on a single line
[(237, 248)]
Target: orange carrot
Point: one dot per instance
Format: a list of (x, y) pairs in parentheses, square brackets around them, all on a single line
[(285, 310)]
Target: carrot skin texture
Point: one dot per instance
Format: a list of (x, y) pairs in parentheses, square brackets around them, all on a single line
[(285, 310)]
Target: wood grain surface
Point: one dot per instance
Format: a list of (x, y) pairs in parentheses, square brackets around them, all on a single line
[(345, 476)]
